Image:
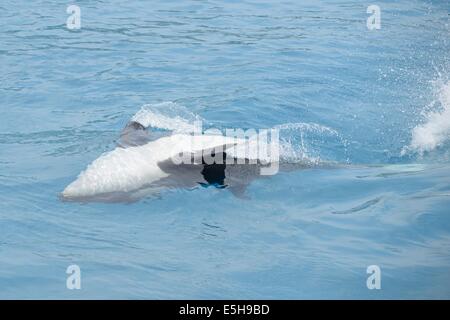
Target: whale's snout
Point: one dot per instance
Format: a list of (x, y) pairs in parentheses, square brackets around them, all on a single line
[(68, 193)]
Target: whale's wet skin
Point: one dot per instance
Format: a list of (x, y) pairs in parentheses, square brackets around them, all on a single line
[(90, 118)]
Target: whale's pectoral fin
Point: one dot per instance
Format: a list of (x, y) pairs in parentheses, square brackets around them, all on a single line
[(238, 190), (134, 134), (239, 176)]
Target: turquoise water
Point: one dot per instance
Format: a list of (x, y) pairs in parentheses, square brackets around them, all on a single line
[(376, 103)]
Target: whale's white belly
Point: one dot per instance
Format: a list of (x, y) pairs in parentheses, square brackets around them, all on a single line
[(129, 169)]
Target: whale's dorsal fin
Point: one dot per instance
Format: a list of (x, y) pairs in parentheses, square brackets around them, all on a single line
[(134, 134)]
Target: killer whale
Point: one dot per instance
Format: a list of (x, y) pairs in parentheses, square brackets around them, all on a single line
[(142, 165)]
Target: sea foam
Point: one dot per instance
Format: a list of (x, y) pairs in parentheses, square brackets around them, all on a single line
[(168, 116), (435, 131)]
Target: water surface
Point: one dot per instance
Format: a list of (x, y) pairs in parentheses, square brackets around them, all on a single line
[(375, 102)]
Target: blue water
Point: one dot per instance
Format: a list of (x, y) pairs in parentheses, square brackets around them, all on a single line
[(376, 103)]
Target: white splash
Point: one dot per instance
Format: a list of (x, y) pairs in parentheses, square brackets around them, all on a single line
[(167, 115), (306, 142), (435, 131)]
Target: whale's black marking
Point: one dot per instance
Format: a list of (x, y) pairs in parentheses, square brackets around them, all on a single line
[(214, 173)]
